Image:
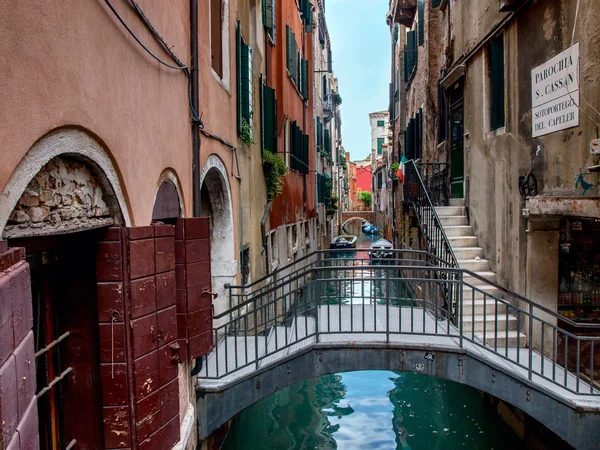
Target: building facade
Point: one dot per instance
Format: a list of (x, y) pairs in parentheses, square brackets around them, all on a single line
[(501, 107), (134, 191)]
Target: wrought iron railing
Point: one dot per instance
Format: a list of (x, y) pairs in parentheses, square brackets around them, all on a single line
[(334, 299), (435, 239), (435, 176)]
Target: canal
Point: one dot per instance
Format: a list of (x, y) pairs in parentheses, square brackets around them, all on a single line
[(372, 410)]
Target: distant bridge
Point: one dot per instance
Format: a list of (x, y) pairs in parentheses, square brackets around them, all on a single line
[(348, 216), (320, 316)]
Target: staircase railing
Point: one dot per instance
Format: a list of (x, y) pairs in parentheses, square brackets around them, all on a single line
[(436, 241), (435, 176)]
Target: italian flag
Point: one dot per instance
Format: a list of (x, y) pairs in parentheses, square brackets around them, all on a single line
[(402, 169)]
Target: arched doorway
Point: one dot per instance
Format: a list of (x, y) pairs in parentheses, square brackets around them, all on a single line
[(62, 197), (215, 195), (168, 205)]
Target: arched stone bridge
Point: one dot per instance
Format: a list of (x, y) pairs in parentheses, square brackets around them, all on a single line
[(305, 323), (348, 216)]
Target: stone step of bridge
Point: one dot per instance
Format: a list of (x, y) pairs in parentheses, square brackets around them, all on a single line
[(457, 202), (481, 291), (474, 265), (478, 307), (454, 220), (463, 241), (491, 323), (474, 281), (445, 211), (468, 252), (458, 230)]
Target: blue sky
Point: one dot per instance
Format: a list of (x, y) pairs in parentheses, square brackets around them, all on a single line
[(360, 42)]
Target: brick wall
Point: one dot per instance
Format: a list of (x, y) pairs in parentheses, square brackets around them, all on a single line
[(18, 404)]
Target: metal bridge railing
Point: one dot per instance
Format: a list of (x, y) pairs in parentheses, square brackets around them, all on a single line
[(339, 297)]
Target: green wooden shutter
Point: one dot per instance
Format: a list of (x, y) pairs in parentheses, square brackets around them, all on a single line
[(329, 61), (496, 53), (288, 48), (304, 79), (327, 146), (268, 7), (305, 142), (246, 82), (379, 180), (411, 50), (238, 64), (421, 24), (380, 145), (324, 86), (269, 120), (262, 112)]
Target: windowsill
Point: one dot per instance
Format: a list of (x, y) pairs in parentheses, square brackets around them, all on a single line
[(220, 81), (494, 133)]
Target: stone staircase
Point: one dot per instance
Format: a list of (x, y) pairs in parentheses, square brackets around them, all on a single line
[(478, 314)]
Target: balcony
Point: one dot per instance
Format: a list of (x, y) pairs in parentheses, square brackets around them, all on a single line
[(404, 12)]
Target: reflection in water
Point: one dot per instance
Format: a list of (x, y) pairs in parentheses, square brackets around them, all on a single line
[(372, 410)]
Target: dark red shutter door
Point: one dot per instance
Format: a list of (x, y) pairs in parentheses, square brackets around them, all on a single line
[(136, 286), (18, 404), (194, 296)]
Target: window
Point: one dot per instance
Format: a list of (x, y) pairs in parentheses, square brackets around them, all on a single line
[(380, 145), (381, 123), (244, 81), (379, 180), (245, 264), (307, 17), (298, 149), (325, 87), (269, 19), (304, 78), (319, 134), (410, 54), (268, 119), (291, 51), (327, 143), (442, 113), (216, 36), (496, 67)]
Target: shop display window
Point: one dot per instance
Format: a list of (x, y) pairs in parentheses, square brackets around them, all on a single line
[(579, 270)]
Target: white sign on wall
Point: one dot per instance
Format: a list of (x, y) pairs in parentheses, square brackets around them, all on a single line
[(555, 93)]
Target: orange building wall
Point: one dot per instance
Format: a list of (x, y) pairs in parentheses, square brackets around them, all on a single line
[(364, 179), (291, 207), (70, 63)]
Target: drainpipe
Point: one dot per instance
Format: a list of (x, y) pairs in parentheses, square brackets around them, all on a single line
[(195, 129), (263, 232), (195, 104)]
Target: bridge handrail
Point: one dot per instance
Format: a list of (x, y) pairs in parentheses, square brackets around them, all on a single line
[(422, 286)]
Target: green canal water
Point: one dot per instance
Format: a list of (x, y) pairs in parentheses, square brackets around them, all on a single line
[(372, 410)]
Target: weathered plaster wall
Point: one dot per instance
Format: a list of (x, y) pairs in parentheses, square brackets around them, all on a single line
[(84, 70), (495, 160)]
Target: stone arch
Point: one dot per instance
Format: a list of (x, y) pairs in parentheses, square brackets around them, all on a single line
[(215, 193), (86, 163), (168, 200), (353, 219)]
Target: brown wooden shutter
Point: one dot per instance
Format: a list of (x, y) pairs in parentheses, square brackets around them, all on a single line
[(18, 404), (194, 296), (138, 337)]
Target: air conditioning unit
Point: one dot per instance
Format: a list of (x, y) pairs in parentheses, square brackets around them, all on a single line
[(510, 5)]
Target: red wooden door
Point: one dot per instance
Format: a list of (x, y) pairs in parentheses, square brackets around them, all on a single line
[(18, 405), (194, 290), (138, 332)]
